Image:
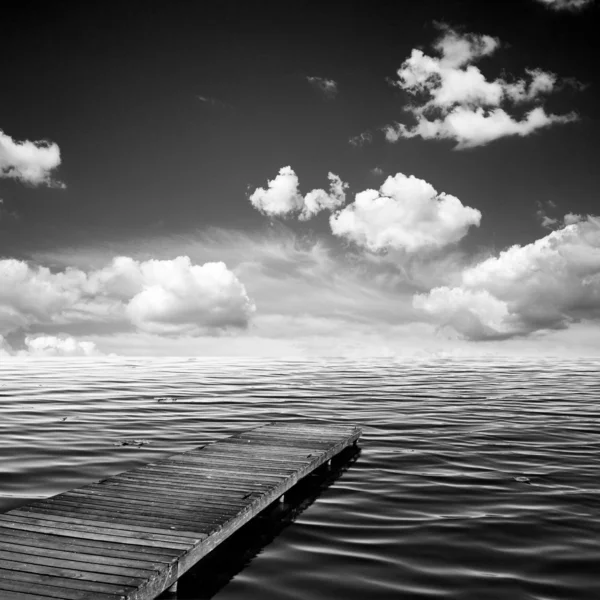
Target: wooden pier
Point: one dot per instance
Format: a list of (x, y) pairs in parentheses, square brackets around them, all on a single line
[(131, 536)]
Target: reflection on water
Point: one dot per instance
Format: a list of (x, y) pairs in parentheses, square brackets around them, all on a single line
[(476, 480)]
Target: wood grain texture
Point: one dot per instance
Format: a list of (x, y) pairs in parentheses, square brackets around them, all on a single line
[(131, 536)]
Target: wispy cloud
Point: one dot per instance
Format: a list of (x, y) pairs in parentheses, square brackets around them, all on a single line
[(328, 87), (317, 297), (454, 100), (361, 139), (29, 162), (214, 102), (566, 5)]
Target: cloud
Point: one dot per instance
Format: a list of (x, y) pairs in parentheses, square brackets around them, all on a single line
[(328, 87), (214, 102), (548, 284), (314, 298), (29, 162), (50, 346), (552, 223), (282, 198), (569, 5), (406, 214), (169, 297), (180, 298), (361, 139), (454, 100), (476, 127)]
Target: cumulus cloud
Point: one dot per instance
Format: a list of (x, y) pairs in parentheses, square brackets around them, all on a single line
[(282, 197), (181, 298), (407, 214), (454, 100), (548, 284), (50, 345), (569, 5), (170, 297), (29, 162), (328, 87)]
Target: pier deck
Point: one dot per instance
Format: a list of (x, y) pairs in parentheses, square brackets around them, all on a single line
[(133, 535)]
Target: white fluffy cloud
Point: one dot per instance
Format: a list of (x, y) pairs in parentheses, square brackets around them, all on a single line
[(548, 284), (29, 162), (572, 5), (50, 346), (172, 297), (454, 100), (476, 127), (328, 87), (407, 214), (181, 298), (282, 197)]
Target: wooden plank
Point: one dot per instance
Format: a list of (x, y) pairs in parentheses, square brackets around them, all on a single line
[(87, 534), (30, 567), (51, 591), (18, 516), (132, 535), (176, 517), (79, 557), (89, 546), (75, 564), (64, 582)]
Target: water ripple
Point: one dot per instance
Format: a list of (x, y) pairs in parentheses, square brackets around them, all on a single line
[(476, 480)]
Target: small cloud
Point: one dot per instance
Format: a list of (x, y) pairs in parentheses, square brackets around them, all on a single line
[(566, 5), (39, 346), (377, 171), (29, 162), (361, 139), (214, 102), (328, 87), (282, 197), (50, 345), (546, 221)]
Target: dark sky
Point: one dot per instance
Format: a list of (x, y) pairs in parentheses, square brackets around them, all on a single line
[(116, 86)]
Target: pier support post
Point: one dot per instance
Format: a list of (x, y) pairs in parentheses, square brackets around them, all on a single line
[(173, 588)]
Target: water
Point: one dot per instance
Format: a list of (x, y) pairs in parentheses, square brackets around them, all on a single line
[(476, 480)]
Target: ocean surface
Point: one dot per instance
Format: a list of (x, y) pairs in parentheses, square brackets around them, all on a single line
[(475, 479)]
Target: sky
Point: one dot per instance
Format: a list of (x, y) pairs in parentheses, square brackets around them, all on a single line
[(248, 179)]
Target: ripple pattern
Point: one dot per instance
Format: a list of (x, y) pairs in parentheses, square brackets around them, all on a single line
[(476, 480)]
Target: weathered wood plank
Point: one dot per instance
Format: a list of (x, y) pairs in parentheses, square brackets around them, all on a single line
[(89, 546), (132, 535), (64, 582)]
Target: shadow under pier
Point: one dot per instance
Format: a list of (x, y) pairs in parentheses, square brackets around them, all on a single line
[(219, 567)]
